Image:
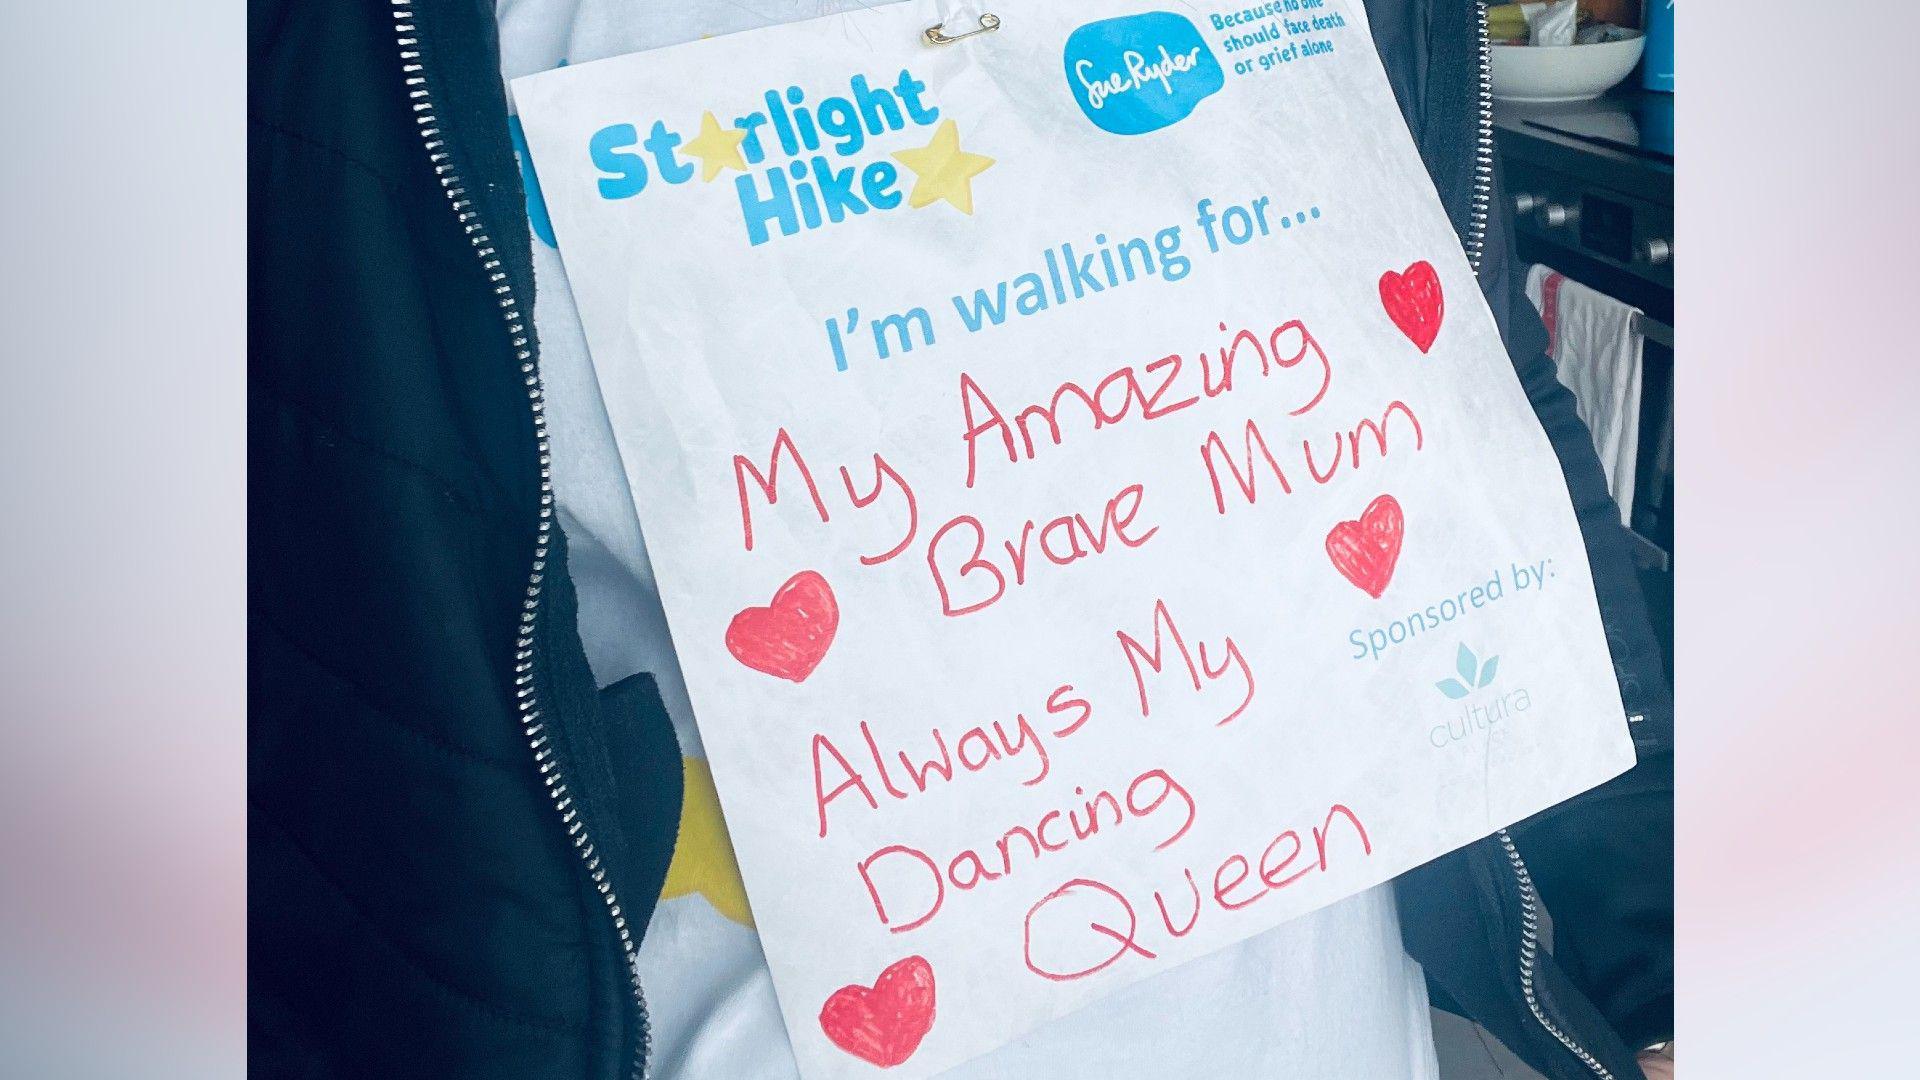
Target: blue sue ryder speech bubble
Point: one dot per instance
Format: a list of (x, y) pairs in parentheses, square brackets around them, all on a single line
[(1140, 73)]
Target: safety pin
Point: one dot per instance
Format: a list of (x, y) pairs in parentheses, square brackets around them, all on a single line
[(989, 22)]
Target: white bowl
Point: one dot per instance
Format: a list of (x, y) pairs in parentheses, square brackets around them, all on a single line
[(1564, 72)]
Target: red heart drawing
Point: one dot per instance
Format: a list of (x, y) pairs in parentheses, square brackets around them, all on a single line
[(1364, 551), (884, 1024), (789, 637), (1414, 303)]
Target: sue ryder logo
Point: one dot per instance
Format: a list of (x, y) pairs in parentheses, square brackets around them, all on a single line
[(1140, 73)]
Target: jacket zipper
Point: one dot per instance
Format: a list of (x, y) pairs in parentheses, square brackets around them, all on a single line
[(1476, 243), (1482, 200), (1529, 950), (420, 96)]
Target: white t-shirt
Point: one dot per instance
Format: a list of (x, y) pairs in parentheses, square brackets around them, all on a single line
[(1329, 996)]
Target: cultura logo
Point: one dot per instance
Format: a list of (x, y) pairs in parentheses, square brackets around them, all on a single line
[(1140, 73), (1473, 674), (1479, 715)]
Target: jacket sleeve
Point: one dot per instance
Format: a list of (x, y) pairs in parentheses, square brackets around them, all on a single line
[(417, 904), (1603, 862), (1601, 970)]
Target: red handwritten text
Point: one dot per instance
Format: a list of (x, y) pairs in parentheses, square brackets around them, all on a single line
[(768, 483), (916, 882), (1156, 389), (975, 750), (1085, 926), (1156, 658), (1258, 458), (958, 550)]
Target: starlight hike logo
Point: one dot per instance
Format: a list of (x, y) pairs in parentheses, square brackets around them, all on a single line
[(1140, 73), (1478, 712), (802, 164)]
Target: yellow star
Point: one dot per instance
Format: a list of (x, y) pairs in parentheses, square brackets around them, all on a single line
[(703, 855), (942, 170), (716, 147)]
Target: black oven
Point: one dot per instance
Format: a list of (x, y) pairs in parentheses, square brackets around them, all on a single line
[(1590, 194)]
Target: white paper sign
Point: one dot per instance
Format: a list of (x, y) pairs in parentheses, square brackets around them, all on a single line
[(1096, 515)]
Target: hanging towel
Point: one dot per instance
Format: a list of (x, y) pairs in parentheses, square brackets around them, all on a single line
[(1594, 344)]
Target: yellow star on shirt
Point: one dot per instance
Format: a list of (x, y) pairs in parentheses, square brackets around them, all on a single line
[(703, 860), (942, 170), (717, 148)]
